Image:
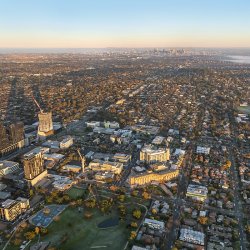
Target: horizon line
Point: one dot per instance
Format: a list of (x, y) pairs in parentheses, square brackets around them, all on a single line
[(136, 47)]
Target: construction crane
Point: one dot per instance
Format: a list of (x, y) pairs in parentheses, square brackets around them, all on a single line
[(37, 104), (83, 160)]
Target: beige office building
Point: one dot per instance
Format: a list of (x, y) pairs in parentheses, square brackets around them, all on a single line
[(151, 154), (148, 177)]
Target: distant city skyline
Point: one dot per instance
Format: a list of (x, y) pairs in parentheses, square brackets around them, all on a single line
[(124, 23)]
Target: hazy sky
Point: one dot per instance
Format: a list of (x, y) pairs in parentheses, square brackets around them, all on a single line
[(124, 23)]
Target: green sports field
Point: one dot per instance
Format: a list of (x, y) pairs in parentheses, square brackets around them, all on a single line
[(74, 232)]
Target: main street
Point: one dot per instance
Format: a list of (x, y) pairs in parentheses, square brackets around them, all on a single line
[(178, 202), (238, 207)]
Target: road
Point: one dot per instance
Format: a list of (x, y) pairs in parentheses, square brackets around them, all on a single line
[(238, 206), (17, 153), (179, 201), (234, 173)]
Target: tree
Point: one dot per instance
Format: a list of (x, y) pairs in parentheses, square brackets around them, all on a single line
[(17, 242), (122, 210), (44, 230), (133, 224), (66, 198), (31, 192), (37, 230), (79, 202), (227, 165), (24, 224), (134, 193), (91, 203), (56, 218), (121, 197), (203, 220), (30, 235), (88, 215), (132, 235), (48, 199), (59, 200), (146, 195), (137, 213), (113, 188)]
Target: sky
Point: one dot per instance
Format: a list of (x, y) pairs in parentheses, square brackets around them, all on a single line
[(124, 23)]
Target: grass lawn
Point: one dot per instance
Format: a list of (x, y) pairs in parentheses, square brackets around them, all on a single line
[(76, 193), (81, 233)]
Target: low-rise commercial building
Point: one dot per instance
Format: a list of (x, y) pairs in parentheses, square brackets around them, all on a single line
[(192, 236), (154, 224), (197, 192), (66, 143), (8, 167), (124, 158), (202, 150), (99, 165)]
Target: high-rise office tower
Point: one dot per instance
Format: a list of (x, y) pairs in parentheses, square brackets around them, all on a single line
[(16, 132), (4, 140), (45, 124), (33, 163)]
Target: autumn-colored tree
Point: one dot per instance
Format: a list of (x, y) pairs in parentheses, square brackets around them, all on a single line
[(79, 202), (17, 242), (133, 224), (227, 165), (59, 200), (146, 195), (24, 224), (91, 203), (37, 230), (122, 210), (137, 213), (88, 215), (134, 193), (56, 218), (48, 199), (248, 228), (44, 230), (113, 188), (31, 192), (66, 198), (132, 235), (203, 220), (154, 211), (30, 235), (121, 197)]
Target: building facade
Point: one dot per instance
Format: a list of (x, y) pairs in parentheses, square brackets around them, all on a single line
[(151, 154), (10, 210), (146, 178), (8, 167), (45, 127), (197, 192), (33, 163), (11, 138), (66, 143)]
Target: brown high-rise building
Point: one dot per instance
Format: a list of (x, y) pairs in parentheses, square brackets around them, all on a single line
[(33, 163), (4, 140), (11, 135), (16, 132)]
